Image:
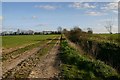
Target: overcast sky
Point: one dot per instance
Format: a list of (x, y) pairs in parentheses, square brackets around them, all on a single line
[(39, 16)]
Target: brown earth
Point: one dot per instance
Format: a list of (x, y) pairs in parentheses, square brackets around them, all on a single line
[(48, 67), (7, 65)]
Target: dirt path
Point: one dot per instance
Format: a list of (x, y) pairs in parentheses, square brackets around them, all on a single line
[(14, 62), (48, 67)]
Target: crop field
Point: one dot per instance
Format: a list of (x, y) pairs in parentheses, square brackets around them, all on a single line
[(113, 38), (15, 41), (53, 56), (0, 42), (45, 40), (23, 59)]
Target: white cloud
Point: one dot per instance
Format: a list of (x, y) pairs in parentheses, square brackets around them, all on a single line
[(34, 17), (42, 24), (113, 6), (47, 7), (1, 18), (30, 18), (93, 13), (115, 11), (110, 6), (79, 5), (86, 5)]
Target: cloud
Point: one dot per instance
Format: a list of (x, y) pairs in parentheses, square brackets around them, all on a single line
[(34, 17), (47, 7), (1, 18), (110, 6), (115, 11), (30, 18), (86, 5), (42, 24), (93, 13), (79, 5)]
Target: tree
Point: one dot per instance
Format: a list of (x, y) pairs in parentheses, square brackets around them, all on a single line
[(75, 34), (108, 26), (90, 31), (59, 29)]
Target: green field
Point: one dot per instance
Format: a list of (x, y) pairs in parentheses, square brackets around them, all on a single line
[(16, 41), (0, 41), (106, 37)]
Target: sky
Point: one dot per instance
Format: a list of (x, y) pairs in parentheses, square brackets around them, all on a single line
[(59, 0), (39, 16)]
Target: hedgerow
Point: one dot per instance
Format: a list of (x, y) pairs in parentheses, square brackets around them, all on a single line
[(78, 66)]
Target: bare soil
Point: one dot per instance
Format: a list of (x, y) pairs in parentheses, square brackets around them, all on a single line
[(48, 67), (10, 64)]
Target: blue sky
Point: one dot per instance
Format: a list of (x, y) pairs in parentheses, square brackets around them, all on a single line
[(39, 16), (60, 0)]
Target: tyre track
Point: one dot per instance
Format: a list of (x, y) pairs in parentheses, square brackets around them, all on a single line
[(48, 67), (14, 62)]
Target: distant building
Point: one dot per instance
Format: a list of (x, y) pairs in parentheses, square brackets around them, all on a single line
[(7, 33), (30, 32), (27, 32), (18, 31), (4, 33), (11, 32), (47, 32)]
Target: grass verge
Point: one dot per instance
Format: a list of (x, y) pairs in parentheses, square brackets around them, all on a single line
[(78, 66)]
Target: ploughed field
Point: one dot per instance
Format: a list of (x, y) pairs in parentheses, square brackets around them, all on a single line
[(21, 54), (53, 56)]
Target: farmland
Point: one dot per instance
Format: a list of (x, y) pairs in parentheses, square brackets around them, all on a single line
[(24, 59), (56, 40), (113, 38), (53, 56), (13, 41)]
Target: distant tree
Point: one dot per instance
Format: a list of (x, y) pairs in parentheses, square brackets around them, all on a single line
[(90, 31), (109, 25), (59, 29), (75, 34)]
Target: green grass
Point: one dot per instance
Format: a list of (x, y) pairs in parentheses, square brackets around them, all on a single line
[(106, 37), (79, 66), (20, 40), (0, 41)]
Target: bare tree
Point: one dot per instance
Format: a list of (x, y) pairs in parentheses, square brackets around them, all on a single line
[(109, 25), (60, 29)]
